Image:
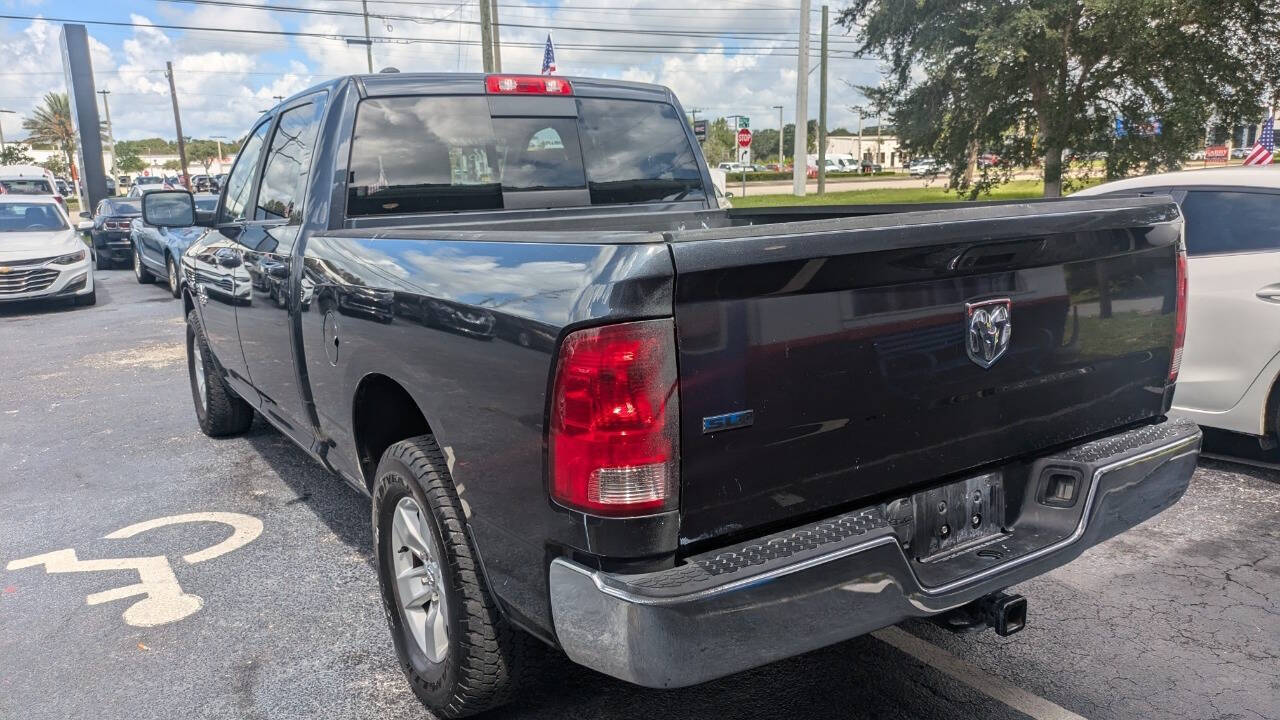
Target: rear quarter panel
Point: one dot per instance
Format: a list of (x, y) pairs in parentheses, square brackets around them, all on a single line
[(468, 328)]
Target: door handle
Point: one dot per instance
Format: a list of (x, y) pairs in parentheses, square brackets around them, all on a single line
[(1270, 293)]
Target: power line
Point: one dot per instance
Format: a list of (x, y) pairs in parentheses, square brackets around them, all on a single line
[(730, 34)]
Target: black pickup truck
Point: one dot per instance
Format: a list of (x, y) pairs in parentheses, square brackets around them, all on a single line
[(595, 411)]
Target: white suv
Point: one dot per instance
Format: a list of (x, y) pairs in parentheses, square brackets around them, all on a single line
[(41, 253), (1230, 376)]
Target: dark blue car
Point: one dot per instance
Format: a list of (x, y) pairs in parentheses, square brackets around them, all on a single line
[(110, 232), (156, 249)]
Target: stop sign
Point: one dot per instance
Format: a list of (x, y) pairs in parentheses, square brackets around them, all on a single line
[(744, 138)]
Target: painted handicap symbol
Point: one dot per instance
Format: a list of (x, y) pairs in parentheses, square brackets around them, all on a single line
[(164, 601)]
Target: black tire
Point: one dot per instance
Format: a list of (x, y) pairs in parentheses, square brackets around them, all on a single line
[(175, 286), (487, 658), (90, 299), (220, 411), (140, 271)]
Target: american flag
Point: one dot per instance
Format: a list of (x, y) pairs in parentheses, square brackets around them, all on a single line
[(1265, 149), (548, 58)]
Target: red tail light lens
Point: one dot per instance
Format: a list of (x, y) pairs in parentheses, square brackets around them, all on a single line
[(1180, 315), (527, 85), (614, 428)]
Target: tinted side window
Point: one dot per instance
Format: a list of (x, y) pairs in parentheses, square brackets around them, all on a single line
[(240, 182), (423, 154), (637, 152), (1220, 221), (284, 176)]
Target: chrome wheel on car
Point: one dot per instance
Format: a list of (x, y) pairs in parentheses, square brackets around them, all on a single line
[(137, 265), (173, 278), (197, 367), (419, 581)]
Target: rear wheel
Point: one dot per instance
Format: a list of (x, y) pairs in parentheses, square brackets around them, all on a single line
[(174, 286), (459, 654), (140, 272), (219, 410)]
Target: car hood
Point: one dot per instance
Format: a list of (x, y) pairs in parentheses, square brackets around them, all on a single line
[(185, 234), (29, 245)]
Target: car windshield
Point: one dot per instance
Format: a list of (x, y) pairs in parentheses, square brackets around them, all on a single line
[(147, 180), (418, 154), (27, 187), (28, 217), (124, 207)]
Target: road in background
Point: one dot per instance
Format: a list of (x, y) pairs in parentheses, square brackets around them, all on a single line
[(1175, 619)]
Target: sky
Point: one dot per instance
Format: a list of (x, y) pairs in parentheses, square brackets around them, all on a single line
[(730, 57)]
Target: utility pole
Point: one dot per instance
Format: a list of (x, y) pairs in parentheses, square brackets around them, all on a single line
[(486, 36), (368, 41), (801, 145), (497, 44), (822, 108), (860, 158), (111, 138), (177, 124), (781, 163)]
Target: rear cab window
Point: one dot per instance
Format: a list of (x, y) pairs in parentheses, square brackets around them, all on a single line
[(424, 154), (27, 187)]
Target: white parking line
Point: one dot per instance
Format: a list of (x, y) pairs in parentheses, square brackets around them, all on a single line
[(985, 683)]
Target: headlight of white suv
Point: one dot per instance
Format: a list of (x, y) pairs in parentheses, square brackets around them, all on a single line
[(69, 258)]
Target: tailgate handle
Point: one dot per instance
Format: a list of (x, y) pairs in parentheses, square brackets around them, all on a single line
[(998, 254), (1270, 293)]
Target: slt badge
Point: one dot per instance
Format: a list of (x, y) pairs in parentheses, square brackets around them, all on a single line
[(989, 329)]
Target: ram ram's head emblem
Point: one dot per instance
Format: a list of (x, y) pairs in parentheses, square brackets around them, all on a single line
[(989, 328)]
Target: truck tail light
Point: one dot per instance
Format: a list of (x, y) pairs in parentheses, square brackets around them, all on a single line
[(613, 435), (1180, 315), (527, 85)]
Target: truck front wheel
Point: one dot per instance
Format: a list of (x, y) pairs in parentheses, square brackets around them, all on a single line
[(459, 654), (219, 410)]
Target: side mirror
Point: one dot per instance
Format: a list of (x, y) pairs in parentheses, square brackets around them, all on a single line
[(84, 225), (169, 208), (85, 214)]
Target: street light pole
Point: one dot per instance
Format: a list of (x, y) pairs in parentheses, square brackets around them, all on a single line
[(2, 111), (781, 163), (218, 139), (111, 138)]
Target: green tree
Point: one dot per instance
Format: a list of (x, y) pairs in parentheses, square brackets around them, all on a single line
[(764, 145), (720, 145), (127, 160), (50, 124), (203, 152), (55, 165), (15, 155), (1043, 81)]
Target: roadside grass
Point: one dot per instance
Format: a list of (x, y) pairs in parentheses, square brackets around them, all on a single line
[(1015, 190), (1018, 189)]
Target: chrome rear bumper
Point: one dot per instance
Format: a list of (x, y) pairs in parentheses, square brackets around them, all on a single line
[(788, 593)]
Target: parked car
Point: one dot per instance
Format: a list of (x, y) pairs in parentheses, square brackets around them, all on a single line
[(157, 247), (870, 167), (1239, 153), (41, 254), (986, 160), (708, 457), (1230, 375), (109, 234), (30, 180), (928, 166), (201, 183), (64, 187), (123, 181)]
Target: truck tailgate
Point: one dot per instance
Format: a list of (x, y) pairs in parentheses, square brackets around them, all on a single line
[(848, 340)]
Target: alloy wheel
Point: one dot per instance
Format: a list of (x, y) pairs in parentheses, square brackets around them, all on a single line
[(419, 582)]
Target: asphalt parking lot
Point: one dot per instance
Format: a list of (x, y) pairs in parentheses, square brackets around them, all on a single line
[(267, 606)]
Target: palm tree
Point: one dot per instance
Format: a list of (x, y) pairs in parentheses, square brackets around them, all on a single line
[(50, 124)]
